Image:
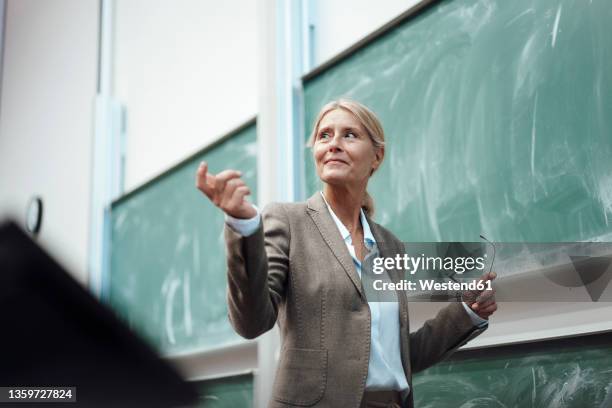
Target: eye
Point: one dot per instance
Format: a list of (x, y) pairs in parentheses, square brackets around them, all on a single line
[(324, 135), (351, 135)]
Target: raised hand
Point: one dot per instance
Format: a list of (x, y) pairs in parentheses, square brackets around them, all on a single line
[(226, 190)]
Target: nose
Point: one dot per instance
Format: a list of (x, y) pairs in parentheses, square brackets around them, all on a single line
[(335, 144)]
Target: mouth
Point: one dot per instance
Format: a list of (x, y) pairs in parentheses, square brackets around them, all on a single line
[(335, 161)]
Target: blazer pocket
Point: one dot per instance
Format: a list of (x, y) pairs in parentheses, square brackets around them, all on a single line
[(301, 377)]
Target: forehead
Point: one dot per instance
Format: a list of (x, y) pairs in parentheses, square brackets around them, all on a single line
[(340, 118)]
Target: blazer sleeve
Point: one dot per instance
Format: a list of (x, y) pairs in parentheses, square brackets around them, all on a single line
[(257, 268), (441, 336)]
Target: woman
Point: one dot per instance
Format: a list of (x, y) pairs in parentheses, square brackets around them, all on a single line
[(300, 264)]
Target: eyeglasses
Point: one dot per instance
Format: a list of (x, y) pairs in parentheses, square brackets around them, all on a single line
[(493, 245)]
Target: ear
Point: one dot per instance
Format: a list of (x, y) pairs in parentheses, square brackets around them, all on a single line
[(379, 156)]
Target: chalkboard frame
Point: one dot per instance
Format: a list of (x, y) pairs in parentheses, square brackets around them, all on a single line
[(603, 338)]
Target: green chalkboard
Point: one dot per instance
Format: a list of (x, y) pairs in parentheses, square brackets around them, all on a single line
[(569, 373), (167, 262), (497, 116), (231, 392)]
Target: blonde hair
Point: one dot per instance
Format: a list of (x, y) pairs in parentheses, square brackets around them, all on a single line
[(368, 120)]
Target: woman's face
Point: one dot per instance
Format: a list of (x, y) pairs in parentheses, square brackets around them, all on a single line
[(343, 151)]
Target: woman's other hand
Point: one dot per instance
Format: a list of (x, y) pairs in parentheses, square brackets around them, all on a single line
[(482, 302), (226, 190)]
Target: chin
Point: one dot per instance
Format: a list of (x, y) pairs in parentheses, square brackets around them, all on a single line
[(334, 178)]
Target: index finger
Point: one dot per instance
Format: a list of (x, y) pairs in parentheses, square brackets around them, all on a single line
[(486, 293), (205, 181), (488, 276)]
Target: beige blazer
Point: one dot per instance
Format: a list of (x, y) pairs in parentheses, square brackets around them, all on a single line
[(296, 269)]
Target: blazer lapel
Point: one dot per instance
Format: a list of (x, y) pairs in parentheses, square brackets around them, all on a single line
[(317, 209)]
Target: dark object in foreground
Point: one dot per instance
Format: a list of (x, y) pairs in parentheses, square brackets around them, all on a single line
[(55, 333)]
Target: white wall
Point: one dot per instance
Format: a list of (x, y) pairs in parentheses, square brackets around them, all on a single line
[(341, 23), (187, 72), (48, 87)]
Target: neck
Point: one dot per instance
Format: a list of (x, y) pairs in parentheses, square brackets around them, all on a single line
[(346, 204)]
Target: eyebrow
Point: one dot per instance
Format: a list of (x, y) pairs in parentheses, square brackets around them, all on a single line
[(353, 129)]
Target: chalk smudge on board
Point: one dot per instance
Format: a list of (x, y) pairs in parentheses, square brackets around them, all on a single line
[(187, 320), (519, 16), (533, 137), (170, 287), (555, 29)]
